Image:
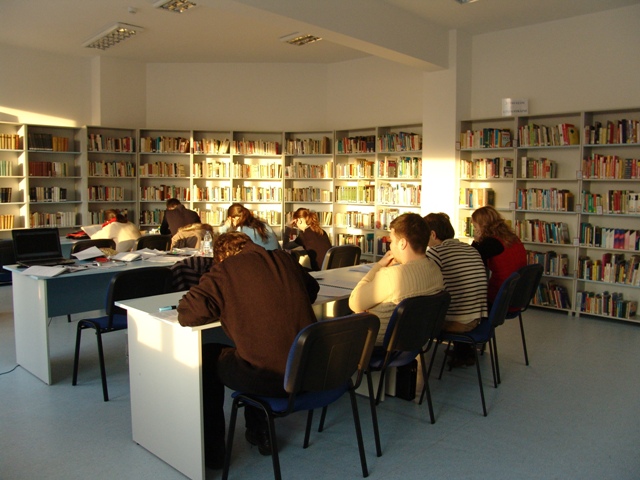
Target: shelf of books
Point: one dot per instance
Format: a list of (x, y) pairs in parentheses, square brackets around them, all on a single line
[(12, 176), (54, 182), (308, 176), (111, 173)]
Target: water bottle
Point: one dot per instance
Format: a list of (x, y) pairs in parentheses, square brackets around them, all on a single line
[(206, 247)]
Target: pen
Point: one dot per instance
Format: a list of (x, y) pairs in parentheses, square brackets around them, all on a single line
[(170, 307)]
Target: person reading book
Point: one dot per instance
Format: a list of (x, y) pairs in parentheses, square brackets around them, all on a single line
[(311, 237)]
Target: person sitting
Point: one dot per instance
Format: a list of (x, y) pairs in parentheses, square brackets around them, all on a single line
[(311, 237), (465, 279), (240, 219), (190, 236), (404, 271), (119, 229), (175, 216), (500, 248), (262, 298)]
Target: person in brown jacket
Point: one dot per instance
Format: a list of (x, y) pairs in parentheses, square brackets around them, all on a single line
[(262, 298)]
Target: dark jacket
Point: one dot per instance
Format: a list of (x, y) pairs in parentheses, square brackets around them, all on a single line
[(176, 218), (316, 245)]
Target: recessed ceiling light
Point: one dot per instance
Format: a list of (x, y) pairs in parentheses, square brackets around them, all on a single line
[(112, 36), (177, 6), (299, 39)]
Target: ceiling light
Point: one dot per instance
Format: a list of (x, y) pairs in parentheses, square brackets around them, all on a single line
[(299, 39), (177, 6), (112, 36)]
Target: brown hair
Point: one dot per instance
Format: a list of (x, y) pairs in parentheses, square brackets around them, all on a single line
[(246, 219), (173, 203), (414, 229), (109, 214), (229, 244), (493, 225), (440, 223), (310, 217)]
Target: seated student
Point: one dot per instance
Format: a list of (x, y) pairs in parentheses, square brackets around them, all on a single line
[(190, 236), (263, 298), (465, 279), (500, 248), (240, 219), (311, 237), (119, 229), (175, 216), (403, 272)]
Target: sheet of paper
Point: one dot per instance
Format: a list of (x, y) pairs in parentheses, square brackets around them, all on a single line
[(89, 253), (91, 229), (329, 291), (44, 271)]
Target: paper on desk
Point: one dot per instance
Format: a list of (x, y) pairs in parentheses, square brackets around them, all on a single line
[(363, 267), (44, 271), (89, 253), (332, 291), (171, 315)]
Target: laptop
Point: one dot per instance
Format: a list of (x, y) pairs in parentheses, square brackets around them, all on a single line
[(38, 246)]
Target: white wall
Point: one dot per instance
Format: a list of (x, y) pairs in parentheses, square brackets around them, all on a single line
[(585, 63)]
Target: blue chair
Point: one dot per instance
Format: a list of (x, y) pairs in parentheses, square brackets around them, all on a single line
[(484, 333), (134, 283), (321, 363)]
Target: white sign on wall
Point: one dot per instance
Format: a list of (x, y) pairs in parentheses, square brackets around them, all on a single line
[(515, 106)]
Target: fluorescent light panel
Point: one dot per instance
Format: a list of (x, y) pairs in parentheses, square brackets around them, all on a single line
[(299, 40), (177, 6), (112, 36)]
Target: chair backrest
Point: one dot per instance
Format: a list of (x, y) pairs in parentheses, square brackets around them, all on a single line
[(501, 304), (341, 256), (98, 242), (153, 242), (530, 276), (325, 355), (415, 321), (136, 283)]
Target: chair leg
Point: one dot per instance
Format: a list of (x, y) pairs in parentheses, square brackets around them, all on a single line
[(374, 414), (103, 373), (380, 384), (356, 421), (484, 407), (493, 352), (323, 415), (275, 458), (76, 356), (230, 434), (307, 430), (425, 389), (524, 342), (444, 361)]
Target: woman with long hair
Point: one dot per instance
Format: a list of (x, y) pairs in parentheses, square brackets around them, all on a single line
[(500, 248), (240, 219), (311, 236)]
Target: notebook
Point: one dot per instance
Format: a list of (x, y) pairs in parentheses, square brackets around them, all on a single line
[(38, 246)]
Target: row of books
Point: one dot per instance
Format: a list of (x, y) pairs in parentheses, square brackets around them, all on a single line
[(399, 142), (609, 304), (613, 238), (400, 167), (165, 145), (324, 218), (399, 194), (356, 144), (10, 141), (212, 169), (620, 131), (211, 194), (155, 217), (47, 194), (57, 219), (162, 193), (611, 268), (552, 294), (311, 171), (215, 216), (384, 244), (359, 168), (486, 138), (163, 169), (538, 168), (308, 146), (477, 197), (6, 168), (384, 217), (260, 171), (540, 231), (257, 194), (486, 168), (7, 222), (98, 216), (255, 147), (102, 193), (534, 135), (466, 227), (5, 194), (46, 141), (97, 143), (553, 263), (614, 202), (112, 169), (548, 199), (48, 169), (272, 217), (365, 242), (355, 194), (308, 194), (211, 146), (610, 167), (355, 219)]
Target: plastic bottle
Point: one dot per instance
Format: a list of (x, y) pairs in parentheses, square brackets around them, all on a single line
[(206, 247)]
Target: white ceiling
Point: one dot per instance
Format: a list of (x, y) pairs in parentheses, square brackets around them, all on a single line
[(238, 31)]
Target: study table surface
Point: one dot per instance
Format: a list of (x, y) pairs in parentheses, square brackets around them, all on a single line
[(37, 299), (165, 370)]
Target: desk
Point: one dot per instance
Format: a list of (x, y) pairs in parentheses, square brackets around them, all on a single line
[(37, 299), (165, 373)]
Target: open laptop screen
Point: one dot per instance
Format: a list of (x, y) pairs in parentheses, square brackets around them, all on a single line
[(36, 243)]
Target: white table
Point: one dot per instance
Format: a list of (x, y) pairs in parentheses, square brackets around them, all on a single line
[(165, 371)]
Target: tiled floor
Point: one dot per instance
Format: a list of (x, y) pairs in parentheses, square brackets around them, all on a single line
[(574, 413)]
